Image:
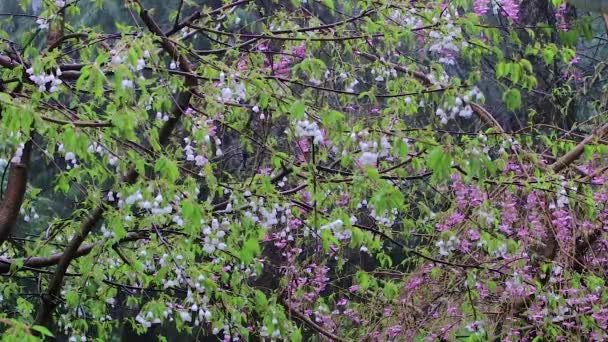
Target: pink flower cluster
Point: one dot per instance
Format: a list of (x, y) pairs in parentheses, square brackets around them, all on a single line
[(509, 7)]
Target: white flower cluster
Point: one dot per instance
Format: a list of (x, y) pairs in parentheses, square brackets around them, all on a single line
[(409, 18), (486, 216), (387, 219), (242, 269), (136, 196), (42, 80), (214, 235), (338, 230), (474, 94), (199, 159), (368, 158), (118, 59), (149, 319), (96, 148), (127, 84), (447, 247), (382, 74), (227, 328), (155, 206), (266, 218), (99, 149), (441, 81), (275, 334), (270, 217), (239, 93), (29, 216), (18, 154), (305, 128), (231, 94), (141, 64), (351, 86), (475, 151), (43, 23), (106, 233), (286, 232), (178, 220), (70, 157), (200, 309), (446, 43), (562, 199), (199, 286), (162, 116), (501, 251), (372, 151), (476, 328), (203, 314), (461, 107)]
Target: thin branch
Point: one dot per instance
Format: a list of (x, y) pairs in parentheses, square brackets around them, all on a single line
[(53, 259), (314, 326), (199, 14), (77, 123), (179, 12), (571, 156)]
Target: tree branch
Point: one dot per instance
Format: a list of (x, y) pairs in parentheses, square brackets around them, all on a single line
[(15, 192), (314, 326), (199, 14), (571, 156), (53, 259), (77, 123)]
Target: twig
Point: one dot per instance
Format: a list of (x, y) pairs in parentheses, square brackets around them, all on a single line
[(571, 156), (312, 324)]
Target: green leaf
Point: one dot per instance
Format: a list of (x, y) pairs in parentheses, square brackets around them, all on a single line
[(363, 279), (6, 98), (390, 290), (501, 69), (42, 330), (261, 301), (330, 5), (328, 239), (72, 298), (296, 336), (297, 110), (192, 216), (440, 163), (549, 53), (512, 99), (515, 72), (402, 147), (332, 118), (387, 198), (385, 260), (251, 249), (167, 168), (526, 65)]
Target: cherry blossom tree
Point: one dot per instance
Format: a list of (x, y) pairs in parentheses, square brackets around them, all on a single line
[(303, 170)]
